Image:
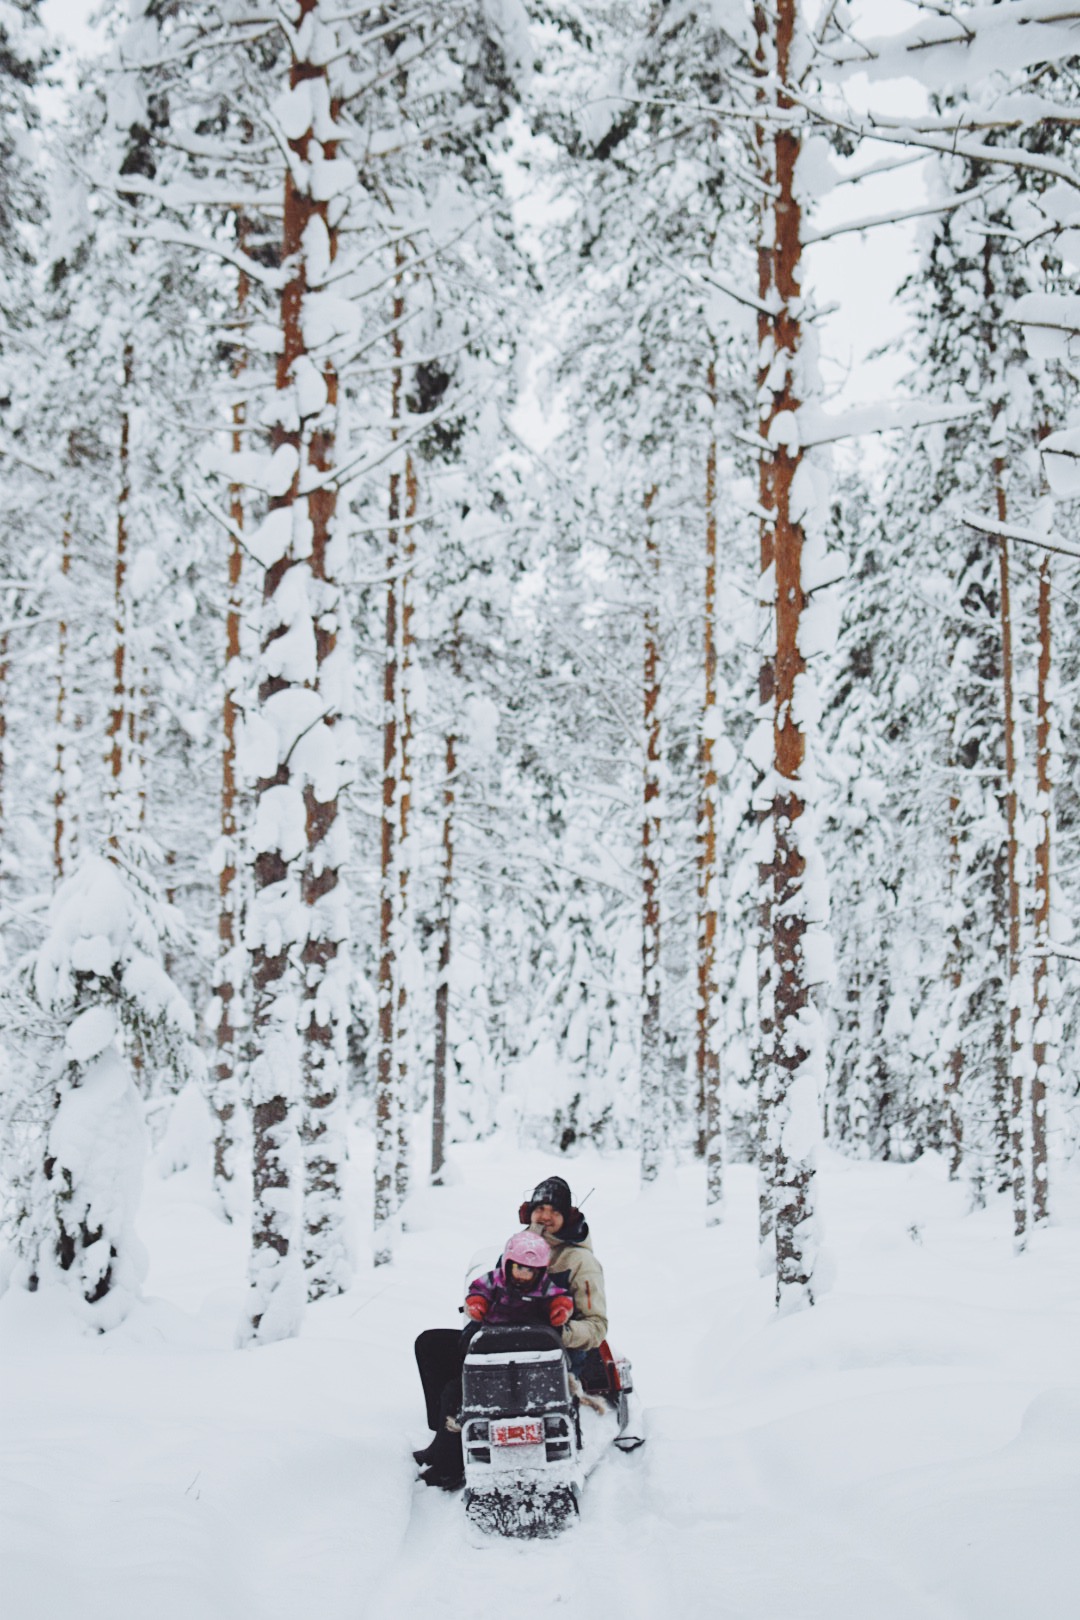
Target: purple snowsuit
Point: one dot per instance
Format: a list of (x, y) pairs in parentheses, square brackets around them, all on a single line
[(510, 1306)]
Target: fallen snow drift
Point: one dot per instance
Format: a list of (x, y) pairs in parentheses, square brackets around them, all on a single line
[(909, 1448)]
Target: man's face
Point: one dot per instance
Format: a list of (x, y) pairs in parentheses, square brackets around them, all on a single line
[(547, 1219)]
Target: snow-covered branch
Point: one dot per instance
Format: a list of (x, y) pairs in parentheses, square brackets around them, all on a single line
[(896, 216), (1010, 531)]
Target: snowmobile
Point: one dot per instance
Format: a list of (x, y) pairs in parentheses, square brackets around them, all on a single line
[(531, 1432)]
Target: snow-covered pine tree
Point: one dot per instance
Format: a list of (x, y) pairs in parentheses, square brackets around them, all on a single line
[(975, 270), (229, 975), (885, 746), (297, 928), (796, 1063), (78, 1005), (973, 122)]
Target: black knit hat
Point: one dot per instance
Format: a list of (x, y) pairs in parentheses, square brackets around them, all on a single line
[(555, 1192)]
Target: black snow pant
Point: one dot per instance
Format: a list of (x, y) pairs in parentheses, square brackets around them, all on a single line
[(440, 1354)]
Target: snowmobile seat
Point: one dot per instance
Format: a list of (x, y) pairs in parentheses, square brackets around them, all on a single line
[(605, 1373)]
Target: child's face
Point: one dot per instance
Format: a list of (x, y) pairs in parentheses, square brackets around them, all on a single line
[(522, 1274)]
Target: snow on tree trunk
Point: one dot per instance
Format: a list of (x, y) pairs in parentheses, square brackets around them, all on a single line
[(93, 1165), (138, 704), (710, 1113), (863, 994), (1044, 987), (407, 956), (386, 1080), (981, 941), (389, 1102), (297, 924), (763, 1047), (1017, 1024), (64, 840), (954, 1054), (5, 698), (229, 969), (797, 1067), (651, 831), (120, 818), (442, 986)]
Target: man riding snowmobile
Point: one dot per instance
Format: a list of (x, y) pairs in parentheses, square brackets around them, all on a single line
[(440, 1352), (550, 1211)]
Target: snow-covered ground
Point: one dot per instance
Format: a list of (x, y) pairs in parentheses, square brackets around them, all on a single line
[(909, 1448)]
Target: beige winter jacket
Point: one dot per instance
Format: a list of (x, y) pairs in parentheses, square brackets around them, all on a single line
[(585, 1279)]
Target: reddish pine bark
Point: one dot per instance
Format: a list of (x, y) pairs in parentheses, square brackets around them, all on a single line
[(323, 1145), (1017, 1088), (225, 1078), (296, 988), (766, 670), (792, 1172)]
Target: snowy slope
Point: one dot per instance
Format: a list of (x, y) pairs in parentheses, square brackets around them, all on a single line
[(910, 1448)]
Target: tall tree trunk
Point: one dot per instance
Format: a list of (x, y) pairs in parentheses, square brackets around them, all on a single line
[(138, 710), (117, 727), (388, 1102), (980, 937), (1017, 1075), (298, 916), (442, 987), (63, 808), (228, 978), (954, 1072), (765, 158), (325, 955), (446, 919), (386, 1082), (795, 1104), (651, 830), (862, 995), (1045, 1052), (5, 671), (710, 1111), (406, 956)]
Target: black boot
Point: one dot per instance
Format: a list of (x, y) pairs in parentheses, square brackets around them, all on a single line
[(444, 1460), (425, 1457)]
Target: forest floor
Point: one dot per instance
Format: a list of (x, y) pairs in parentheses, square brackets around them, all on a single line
[(910, 1448)]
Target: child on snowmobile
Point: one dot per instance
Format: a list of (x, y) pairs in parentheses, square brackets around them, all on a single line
[(520, 1288)]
